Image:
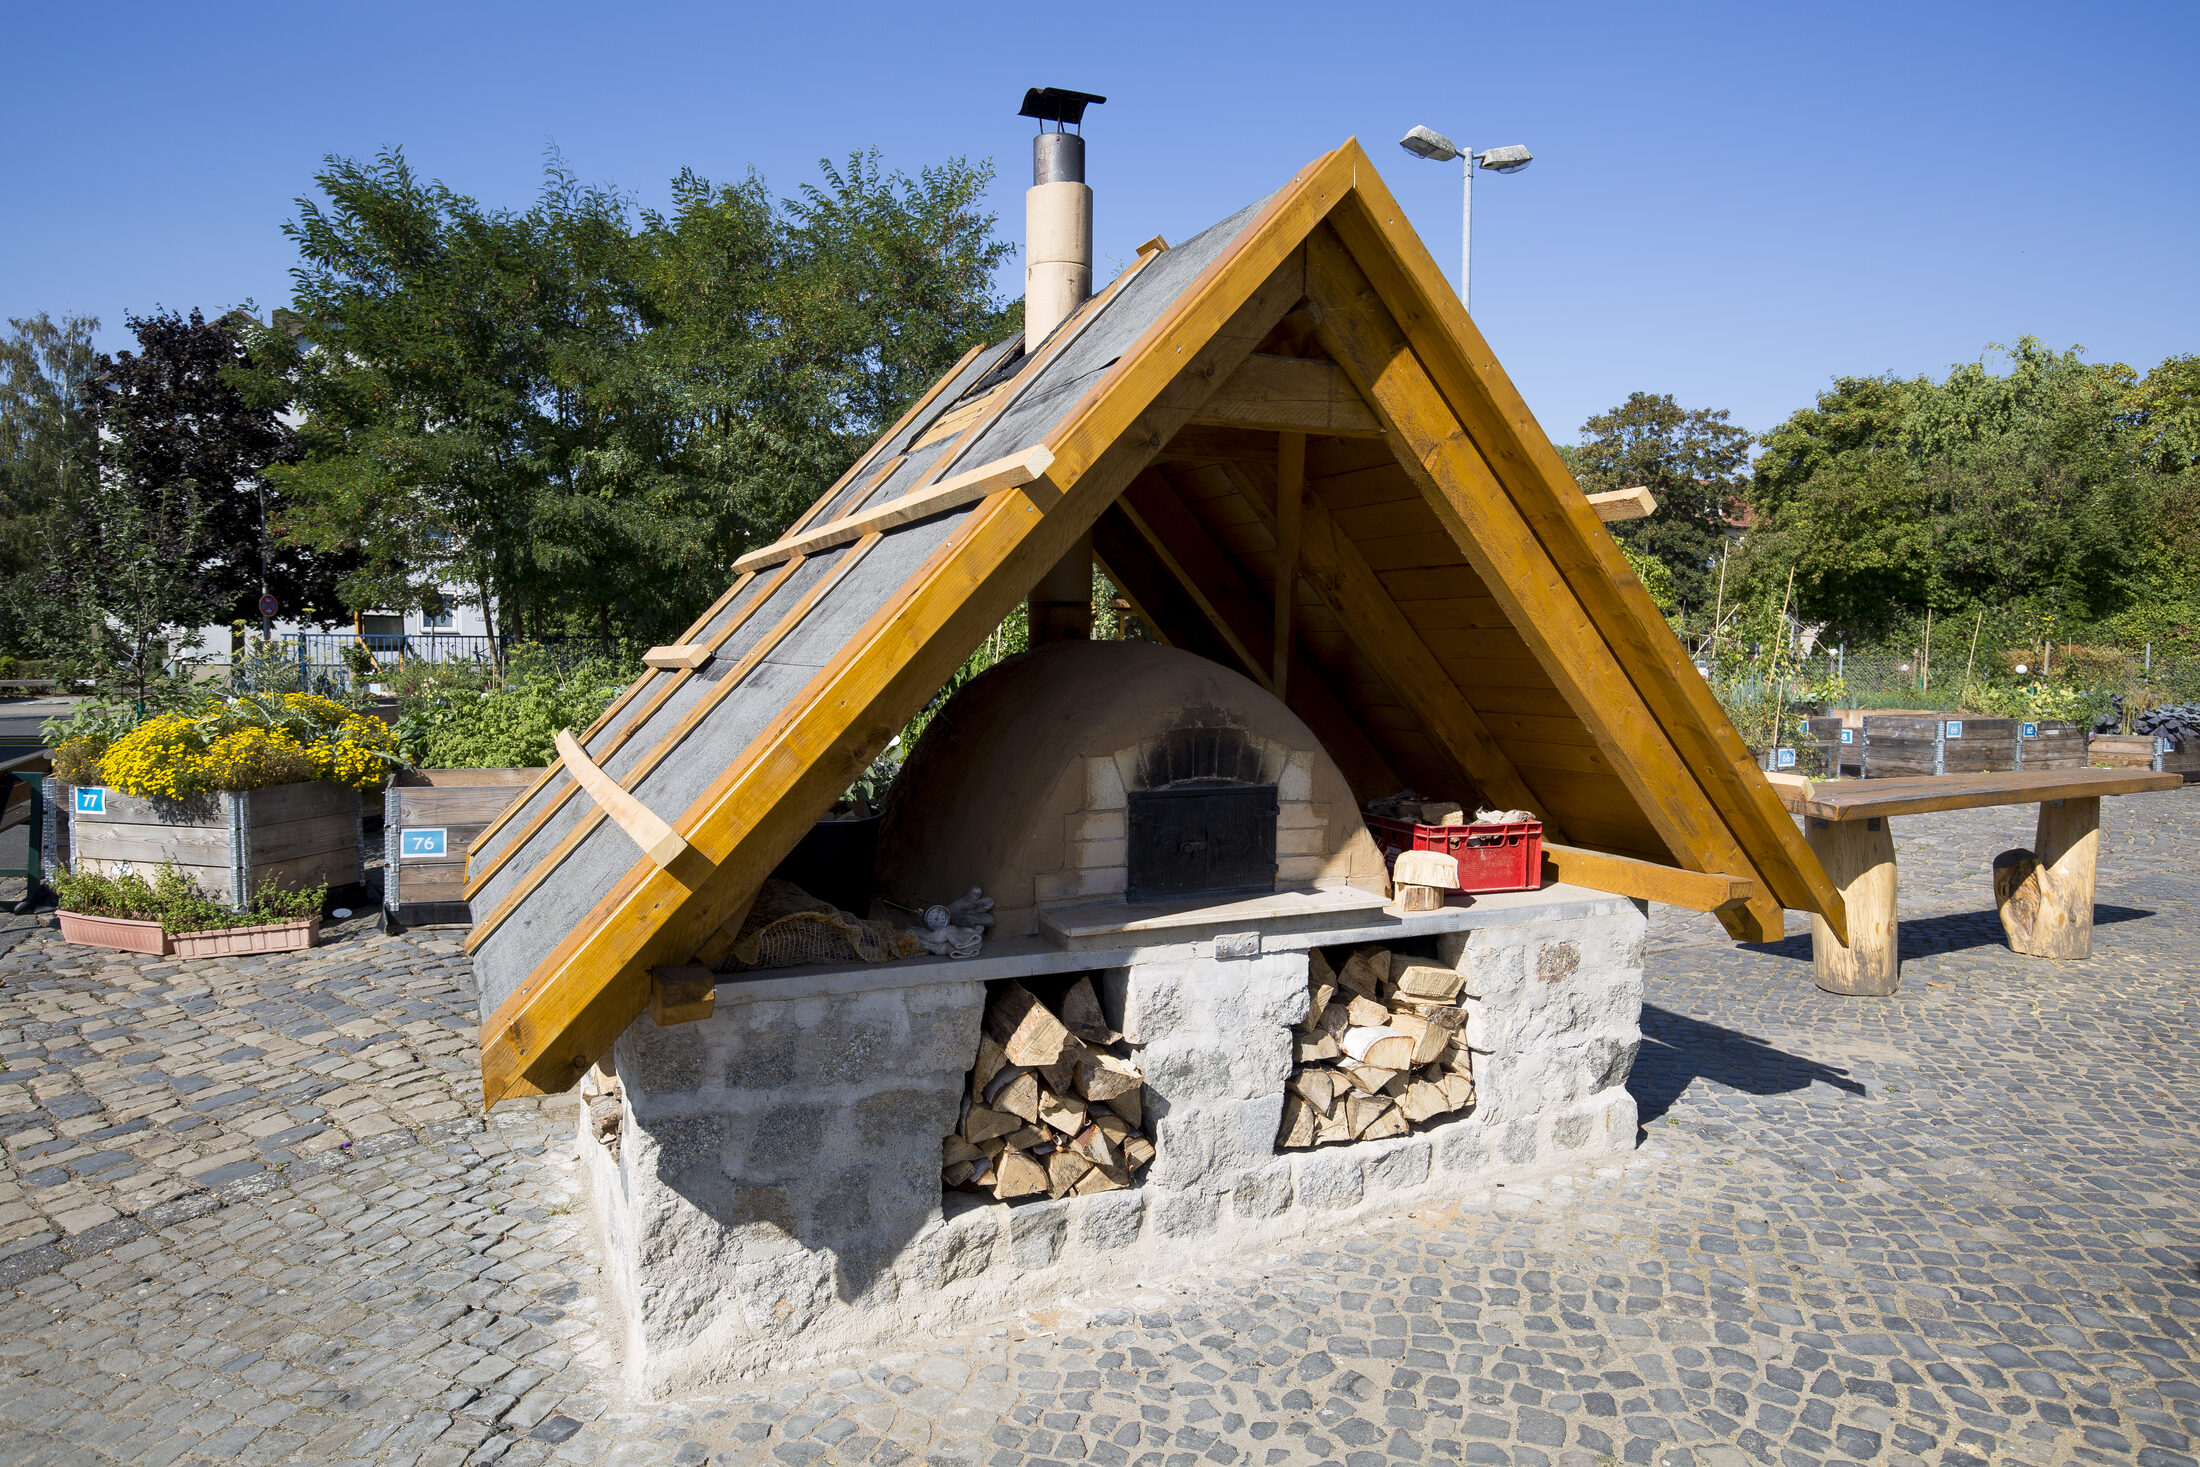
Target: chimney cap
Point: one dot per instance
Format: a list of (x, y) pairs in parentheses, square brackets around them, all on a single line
[(1058, 105)]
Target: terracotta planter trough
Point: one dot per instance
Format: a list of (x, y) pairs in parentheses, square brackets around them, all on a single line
[(275, 937), (122, 934)]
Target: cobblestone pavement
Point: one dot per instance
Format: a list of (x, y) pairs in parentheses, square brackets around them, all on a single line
[(247, 1216)]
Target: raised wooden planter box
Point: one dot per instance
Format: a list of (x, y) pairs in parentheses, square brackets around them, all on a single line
[(231, 844), (122, 934), (2052, 743), (275, 937), (430, 820)]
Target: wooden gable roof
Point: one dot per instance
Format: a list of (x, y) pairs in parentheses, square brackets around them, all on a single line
[(1295, 387)]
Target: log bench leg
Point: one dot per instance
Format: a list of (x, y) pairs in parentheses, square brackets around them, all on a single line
[(1859, 856), (2047, 907)]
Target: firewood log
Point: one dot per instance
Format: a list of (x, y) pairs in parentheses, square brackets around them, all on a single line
[(1428, 980), (1018, 1176), (1082, 1014), (1102, 1178), (1381, 1046), (1364, 971), (1367, 1079), (1456, 1056), (1313, 1051), (1065, 1169), (1129, 1105), (955, 1148), (1440, 1026), (984, 1174), (1061, 1076), (1318, 997), (1367, 1013), (1458, 1091), (1103, 1077), (1317, 1088), (1299, 1121), (1395, 1086), (1425, 1101), (1097, 1145), (1063, 1114), (1137, 1150), (1024, 1138), (991, 1057), (958, 1173), (1024, 1027), (1391, 1122), (983, 1122), (1336, 1126), (1015, 1090), (993, 1145), (1361, 1111)]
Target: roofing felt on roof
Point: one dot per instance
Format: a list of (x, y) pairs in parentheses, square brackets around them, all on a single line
[(1459, 519)]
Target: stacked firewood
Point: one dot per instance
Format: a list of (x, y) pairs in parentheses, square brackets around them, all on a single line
[(1049, 1110), (1382, 1049)]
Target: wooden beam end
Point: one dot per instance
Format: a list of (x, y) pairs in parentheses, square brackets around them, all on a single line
[(682, 995), (678, 657)]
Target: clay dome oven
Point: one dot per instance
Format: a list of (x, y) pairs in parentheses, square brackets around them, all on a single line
[(1091, 772)]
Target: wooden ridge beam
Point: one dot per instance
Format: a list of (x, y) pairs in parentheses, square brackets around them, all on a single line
[(1522, 464), (1379, 628), (1290, 394), (1439, 454), (968, 487), (595, 981), (1698, 891)]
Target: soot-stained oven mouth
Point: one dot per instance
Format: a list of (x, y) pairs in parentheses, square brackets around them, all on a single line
[(1200, 837)]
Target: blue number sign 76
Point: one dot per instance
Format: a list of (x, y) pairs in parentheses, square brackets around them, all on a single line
[(421, 842)]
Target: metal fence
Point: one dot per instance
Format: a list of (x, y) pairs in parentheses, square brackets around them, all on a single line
[(338, 663)]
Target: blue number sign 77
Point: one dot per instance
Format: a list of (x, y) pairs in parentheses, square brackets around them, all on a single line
[(421, 842)]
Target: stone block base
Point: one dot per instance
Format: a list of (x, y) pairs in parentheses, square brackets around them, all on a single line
[(768, 1184)]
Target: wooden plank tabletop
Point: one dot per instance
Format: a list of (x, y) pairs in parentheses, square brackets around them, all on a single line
[(1857, 799)]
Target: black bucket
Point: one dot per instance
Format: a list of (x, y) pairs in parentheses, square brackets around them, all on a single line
[(834, 863)]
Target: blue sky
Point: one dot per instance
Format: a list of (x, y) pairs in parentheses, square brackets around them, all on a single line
[(1729, 203)]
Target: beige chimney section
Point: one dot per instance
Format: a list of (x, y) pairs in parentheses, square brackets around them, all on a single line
[(1057, 235), (1057, 279)]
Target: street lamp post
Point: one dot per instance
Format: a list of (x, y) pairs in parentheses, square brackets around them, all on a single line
[(1424, 142)]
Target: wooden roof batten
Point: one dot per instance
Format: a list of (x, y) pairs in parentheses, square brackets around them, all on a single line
[(1063, 447)]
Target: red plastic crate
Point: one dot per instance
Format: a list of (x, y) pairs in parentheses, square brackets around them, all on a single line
[(1491, 857)]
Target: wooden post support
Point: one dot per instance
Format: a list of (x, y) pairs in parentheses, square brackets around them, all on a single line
[(682, 995), (1859, 856), (1290, 496), (659, 841), (2046, 896)]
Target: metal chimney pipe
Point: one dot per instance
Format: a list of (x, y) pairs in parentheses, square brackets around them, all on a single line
[(1057, 234)]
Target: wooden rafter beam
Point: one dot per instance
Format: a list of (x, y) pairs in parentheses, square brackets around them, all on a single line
[(1291, 394), (1343, 579), (1188, 589), (1636, 503), (1698, 891), (1290, 496), (1441, 458)]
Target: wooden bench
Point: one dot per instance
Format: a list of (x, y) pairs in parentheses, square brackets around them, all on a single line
[(2045, 894)]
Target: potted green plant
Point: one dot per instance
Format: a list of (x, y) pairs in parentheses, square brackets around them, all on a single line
[(169, 914)]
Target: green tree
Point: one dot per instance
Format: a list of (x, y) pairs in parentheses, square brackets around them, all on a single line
[(583, 413), (2027, 485), (1694, 461), (48, 452)]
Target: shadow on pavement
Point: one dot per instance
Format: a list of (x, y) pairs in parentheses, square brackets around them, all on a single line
[(1677, 1049), (1948, 932)]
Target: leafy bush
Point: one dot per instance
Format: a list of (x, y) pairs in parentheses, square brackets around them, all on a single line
[(2028, 700), (462, 718), (251, 741), (174, 900)]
